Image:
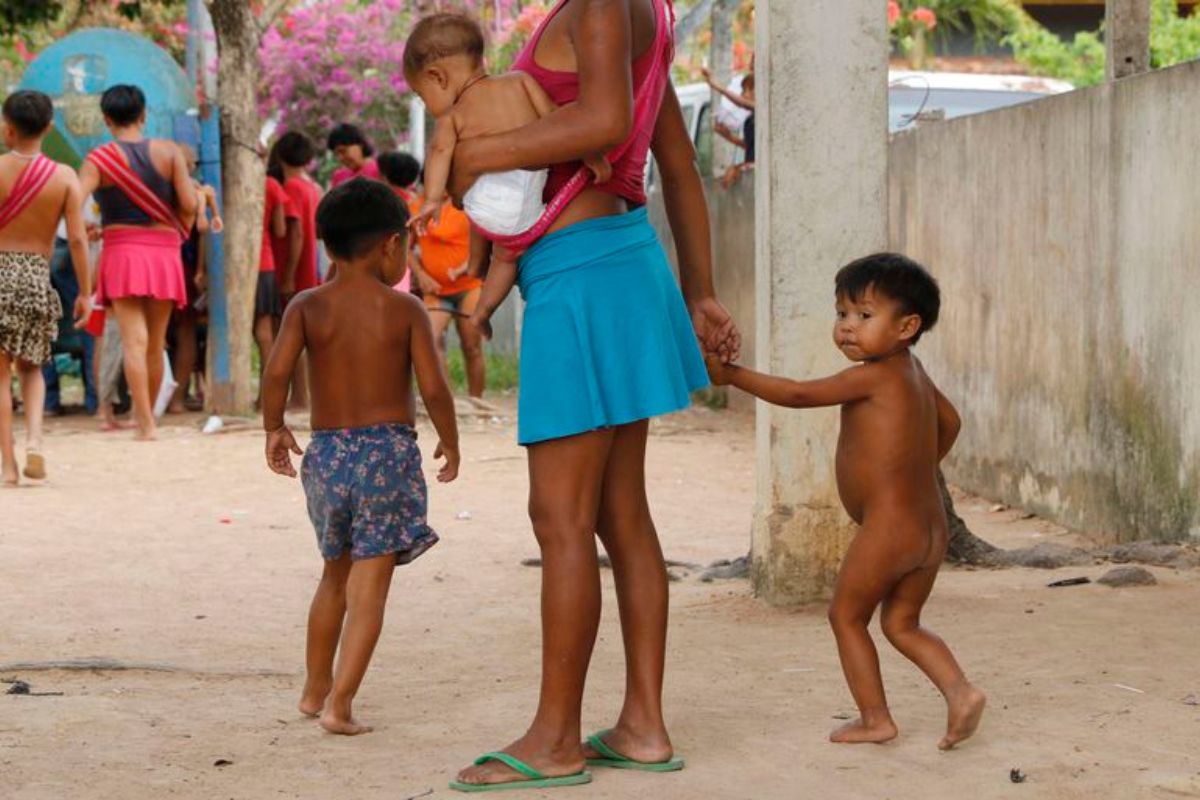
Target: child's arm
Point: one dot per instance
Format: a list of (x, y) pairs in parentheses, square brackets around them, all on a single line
[(855, 383), (544, 106), (279, 221), (438, 161), (77, 241), (502, 274), (295, 248), (277, 376), (439, 402), (202, 223), (948, 422), (210, 202)]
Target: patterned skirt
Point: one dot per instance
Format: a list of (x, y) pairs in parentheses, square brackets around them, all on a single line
[(29, 307)]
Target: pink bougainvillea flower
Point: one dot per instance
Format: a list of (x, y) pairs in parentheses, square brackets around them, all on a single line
[(924, 16), (893, 12)]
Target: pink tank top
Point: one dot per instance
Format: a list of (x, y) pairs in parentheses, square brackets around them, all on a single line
[(651, 71)]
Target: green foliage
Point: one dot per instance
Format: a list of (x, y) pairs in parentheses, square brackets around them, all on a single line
[(1174, 38), (502, 371), (1080, 61), (18, 14)]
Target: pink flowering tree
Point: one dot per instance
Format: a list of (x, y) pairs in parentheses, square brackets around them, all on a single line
[(342, 60), (913, 22)]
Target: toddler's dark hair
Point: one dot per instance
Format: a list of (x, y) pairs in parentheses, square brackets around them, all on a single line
[(123, 103), (347, 134), (441, 36), (897, 277), (400, 169), (29, 112), (294, 149), (352, 218)]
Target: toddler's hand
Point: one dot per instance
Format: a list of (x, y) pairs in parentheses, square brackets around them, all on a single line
[(449, 470), (718, 371), (601, 169), (280, 446)]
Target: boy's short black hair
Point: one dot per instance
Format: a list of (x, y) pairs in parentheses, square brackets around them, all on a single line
[(123, 104), (441, 36), (347, 134), (294, 149), (400, 169), (897, 277), (352, 218), (29, 112)]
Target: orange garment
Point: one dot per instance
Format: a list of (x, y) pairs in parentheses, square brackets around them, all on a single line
[(446, 246)]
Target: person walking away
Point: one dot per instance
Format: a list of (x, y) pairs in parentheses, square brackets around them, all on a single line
[(35, 194), (148, 203)]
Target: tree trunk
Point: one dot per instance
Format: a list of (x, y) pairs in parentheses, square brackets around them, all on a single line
[(244, 178), (964, 547), (720, 59)]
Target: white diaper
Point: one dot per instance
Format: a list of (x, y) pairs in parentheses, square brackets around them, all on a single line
[(506, 203)]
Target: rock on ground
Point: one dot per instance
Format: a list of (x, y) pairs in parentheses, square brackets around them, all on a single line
[(1128, 576)]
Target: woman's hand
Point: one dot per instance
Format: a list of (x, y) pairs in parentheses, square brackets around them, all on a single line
[(715, 329)]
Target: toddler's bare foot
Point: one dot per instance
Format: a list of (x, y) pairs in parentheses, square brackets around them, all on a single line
[(344, 726), (965, 708), (859, 732)]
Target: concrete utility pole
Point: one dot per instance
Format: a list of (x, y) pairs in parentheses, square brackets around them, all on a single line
[(821, 201), (1127, 37), (720, 64)]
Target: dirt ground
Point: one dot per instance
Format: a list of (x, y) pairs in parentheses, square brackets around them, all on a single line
[(189, 561)]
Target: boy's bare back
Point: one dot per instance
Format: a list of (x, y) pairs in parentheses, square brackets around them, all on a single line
[(358, 336)]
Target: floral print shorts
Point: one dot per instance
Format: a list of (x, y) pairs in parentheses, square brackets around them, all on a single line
[(366, 492)]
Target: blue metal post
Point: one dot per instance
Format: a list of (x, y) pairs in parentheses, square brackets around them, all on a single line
[(218, 307)]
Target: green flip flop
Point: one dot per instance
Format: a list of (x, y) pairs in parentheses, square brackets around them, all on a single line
[(532, 780), (614, 760)]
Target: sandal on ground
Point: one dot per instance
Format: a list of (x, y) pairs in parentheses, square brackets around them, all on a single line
[(532, 778), (614, 760), (35, 466)]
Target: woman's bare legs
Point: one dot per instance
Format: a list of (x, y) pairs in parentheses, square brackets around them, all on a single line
[(264, 337), (33, 394), (131, 317), (566, 477), (627, 531), (158, 319), (9, 474)]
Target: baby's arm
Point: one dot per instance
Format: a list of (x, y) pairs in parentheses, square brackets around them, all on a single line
[(276, 378), (439, 402), (948, 422), (855, 383), (438, 161), (544, 106)]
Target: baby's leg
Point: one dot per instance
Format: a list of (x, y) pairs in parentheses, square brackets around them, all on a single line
[(868, 572), (501, 277), (325, 618), (366, 597), (902, 625), (8, 459)]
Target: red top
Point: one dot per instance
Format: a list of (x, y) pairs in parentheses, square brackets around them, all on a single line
[(304, 195), (629, 169), (274, 198), (369, 169)]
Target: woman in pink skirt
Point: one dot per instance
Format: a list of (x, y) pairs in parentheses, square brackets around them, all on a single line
[(147, 204)]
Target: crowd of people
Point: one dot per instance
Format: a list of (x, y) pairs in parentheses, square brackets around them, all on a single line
[(610, 339)]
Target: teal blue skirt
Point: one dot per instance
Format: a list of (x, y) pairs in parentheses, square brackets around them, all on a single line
[(606, 338)]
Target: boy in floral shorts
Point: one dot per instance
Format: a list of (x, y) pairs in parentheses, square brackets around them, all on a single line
[(362, 472)]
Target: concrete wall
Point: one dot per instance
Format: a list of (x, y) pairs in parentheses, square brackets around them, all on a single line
[(1066, 236)]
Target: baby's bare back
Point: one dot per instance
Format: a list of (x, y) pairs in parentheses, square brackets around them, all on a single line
[(358, 343), (497, 104), (887, 455)]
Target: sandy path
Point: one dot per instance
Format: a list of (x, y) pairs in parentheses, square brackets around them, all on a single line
[(189, 553)]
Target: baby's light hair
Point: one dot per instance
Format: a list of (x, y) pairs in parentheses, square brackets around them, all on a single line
[(441, 36)]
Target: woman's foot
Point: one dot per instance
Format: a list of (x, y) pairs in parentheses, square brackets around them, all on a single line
[(965, 708), (343, 726), (859, 732), (312, 699), (115, 425), (647, 749), (35, 466), (553, 761)]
